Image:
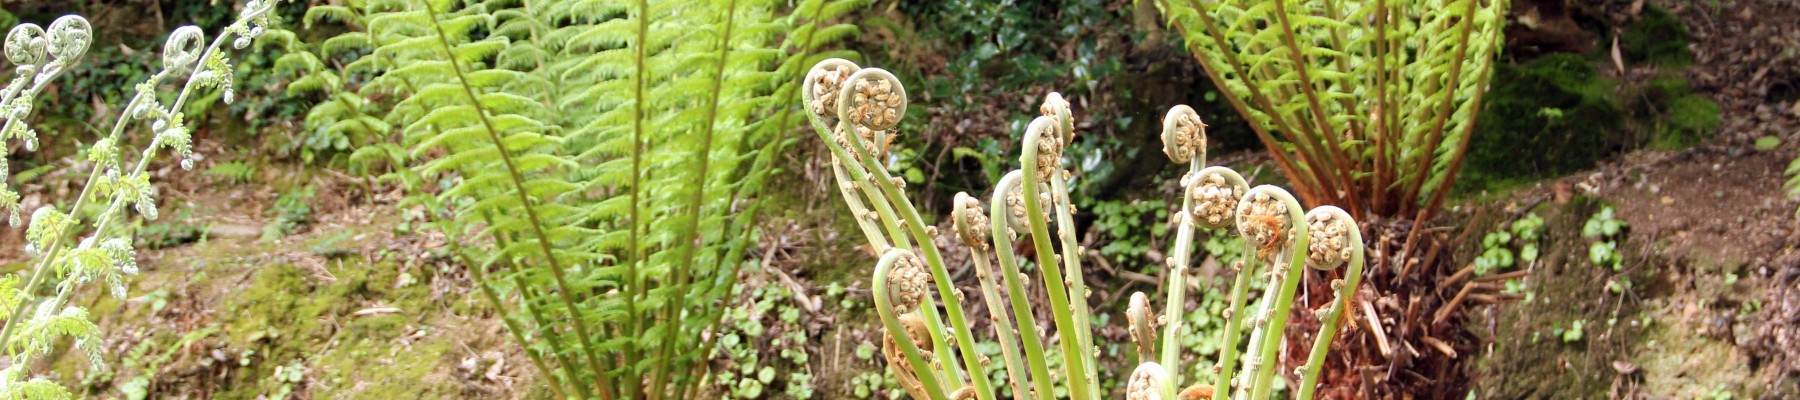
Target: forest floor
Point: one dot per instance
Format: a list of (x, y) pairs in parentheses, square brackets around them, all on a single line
[(354, 303), (1708, 299), (349, 303)]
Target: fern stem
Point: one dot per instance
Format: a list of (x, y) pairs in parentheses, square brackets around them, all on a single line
[(884, 307), (1328, 327), (890, 220), (1289, 284), (1009, 273), (518, 180), (1074, 357), (1333, 157), (551, 336), (1179, 257), (634, 253), (704, 154), (1436, 134), (537, 317), (1282, 160), (512, 326), (1078, 291), (948, 294), (1234, 319)]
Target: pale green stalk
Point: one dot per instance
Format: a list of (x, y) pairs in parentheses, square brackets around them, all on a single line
[(884, 305), (1290, 282), (51, 251), (1075, 358), (1015, 290), (1178, 265), (990, 293), (1328, 327), (1072, 251), (1234, 318)]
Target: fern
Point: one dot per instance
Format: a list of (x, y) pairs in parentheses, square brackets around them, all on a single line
[(233, 171), (1375, 98), (35, 323), (597, 167)]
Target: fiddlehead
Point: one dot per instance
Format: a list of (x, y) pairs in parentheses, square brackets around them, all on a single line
[(1270, 219), (1183, 135), (1141, 324), (1184, 141), (1216, 192), (909, 283), (973, 228), (1149, 382), (904, 353), (1335, 241)]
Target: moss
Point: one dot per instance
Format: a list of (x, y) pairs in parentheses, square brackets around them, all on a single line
[(1554, 115), (1677, 117), (1656, 38), (290, 319)]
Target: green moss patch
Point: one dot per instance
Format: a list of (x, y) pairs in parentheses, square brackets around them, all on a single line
[(1677, 117), (1657, 38), (1552, 116)]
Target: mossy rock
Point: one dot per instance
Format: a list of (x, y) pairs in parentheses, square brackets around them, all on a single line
[(1554, 115), (1678, 117), (1657, 38)]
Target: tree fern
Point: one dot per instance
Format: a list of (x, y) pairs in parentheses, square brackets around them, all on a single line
[(592, 161), (1375, 99)]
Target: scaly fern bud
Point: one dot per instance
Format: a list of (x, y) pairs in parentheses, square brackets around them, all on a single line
[(972, 225), (26, 46), (966, 393), (1050, 147), (69, 37), (1183, 135), (1142, 325), (1147, 383), (1055, 106), (822, 84), (1330, 245), (1263, 221), (1216, 192), (183, 49), (909, 283)]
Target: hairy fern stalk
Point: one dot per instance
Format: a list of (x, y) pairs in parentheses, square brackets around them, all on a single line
[(1374, 99), (91, 240), (596, 164), (857, 112)]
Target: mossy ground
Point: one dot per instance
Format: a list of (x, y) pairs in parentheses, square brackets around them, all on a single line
[(1660, 335), (313, 316)]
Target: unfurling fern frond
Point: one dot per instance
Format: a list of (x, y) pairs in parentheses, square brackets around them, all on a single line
[(92, 242)]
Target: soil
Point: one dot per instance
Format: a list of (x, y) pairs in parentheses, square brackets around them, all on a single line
[(1712, 253), (352, 305)]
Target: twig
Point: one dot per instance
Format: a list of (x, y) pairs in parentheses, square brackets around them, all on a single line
[(375, 311), (1458, 276), (1502, 277), (1439, 345), (1381, 339)]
